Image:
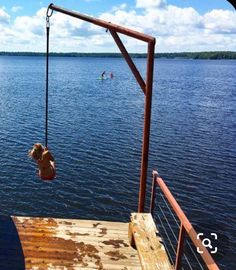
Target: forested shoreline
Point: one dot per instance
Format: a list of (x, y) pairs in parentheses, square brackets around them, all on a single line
[(181, 55)]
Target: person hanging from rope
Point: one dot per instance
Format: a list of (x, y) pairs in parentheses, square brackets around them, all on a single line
[(39, 153), (45, 161)]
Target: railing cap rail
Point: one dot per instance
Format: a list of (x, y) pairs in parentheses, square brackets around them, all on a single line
[(185, 222)]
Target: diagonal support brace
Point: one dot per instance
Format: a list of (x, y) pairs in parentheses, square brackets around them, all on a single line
[(129, 60)]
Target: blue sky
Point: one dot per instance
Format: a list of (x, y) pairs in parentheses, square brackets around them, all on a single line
[(94, 7), (178, 25)]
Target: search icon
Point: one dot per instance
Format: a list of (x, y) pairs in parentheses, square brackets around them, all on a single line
[(211, 240), (207, 243)]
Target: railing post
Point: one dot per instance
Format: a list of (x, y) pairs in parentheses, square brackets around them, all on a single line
[(153, 192), (180, 248)]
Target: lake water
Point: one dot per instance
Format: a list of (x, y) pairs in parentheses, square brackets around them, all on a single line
[(95, 134)]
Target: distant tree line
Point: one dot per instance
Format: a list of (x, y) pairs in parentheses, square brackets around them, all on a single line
[(182, 55), (199, 55)]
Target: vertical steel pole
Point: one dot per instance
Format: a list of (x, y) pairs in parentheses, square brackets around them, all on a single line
[(147, 124)]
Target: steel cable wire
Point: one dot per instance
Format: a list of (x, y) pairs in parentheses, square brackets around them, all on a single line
[(192, 251), (189, 265)]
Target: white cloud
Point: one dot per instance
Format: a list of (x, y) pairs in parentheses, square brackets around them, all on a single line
[(220, 21), (176, 29), (4, 17), (30, 26), (16, 8), (120, 7), (150, 3), (125, 18), (180, 29)]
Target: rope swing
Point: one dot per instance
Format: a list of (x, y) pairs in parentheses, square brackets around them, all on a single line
[(47, 71), (39, 153)]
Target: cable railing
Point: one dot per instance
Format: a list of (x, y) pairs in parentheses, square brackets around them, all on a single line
[(184, 227), (175, 237)]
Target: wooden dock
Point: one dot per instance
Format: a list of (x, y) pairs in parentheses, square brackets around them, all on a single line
[(61, 244)]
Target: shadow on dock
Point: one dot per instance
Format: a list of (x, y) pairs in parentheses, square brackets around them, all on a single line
[(11, 253)]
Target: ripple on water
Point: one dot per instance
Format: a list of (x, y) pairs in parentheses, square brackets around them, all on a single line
[(95, 134)]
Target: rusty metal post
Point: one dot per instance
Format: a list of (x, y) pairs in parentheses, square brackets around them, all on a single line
[(147, 125), (153, 192), (180, 248)]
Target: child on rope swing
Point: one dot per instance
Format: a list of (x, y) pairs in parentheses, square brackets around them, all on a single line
[(45, 160)]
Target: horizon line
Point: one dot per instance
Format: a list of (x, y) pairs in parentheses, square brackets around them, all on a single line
[(39, 52)]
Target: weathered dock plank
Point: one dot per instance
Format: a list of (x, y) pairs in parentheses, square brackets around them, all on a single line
[(61, 244), (143, 233)]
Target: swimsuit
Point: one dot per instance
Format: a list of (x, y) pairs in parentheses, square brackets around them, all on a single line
[(50, 177)]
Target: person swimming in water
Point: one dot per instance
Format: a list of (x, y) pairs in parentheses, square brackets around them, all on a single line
[(103, 75)]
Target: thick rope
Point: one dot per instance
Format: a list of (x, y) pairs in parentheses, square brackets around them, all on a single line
[(47, 56), (48, 15)]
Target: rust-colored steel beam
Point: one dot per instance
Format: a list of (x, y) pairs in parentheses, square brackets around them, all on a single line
[(147, 125), (186, 224), (180, 248), (107, 25), (129, 60)]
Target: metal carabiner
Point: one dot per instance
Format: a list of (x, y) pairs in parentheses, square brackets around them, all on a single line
[(48, 15), (47, 22)]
